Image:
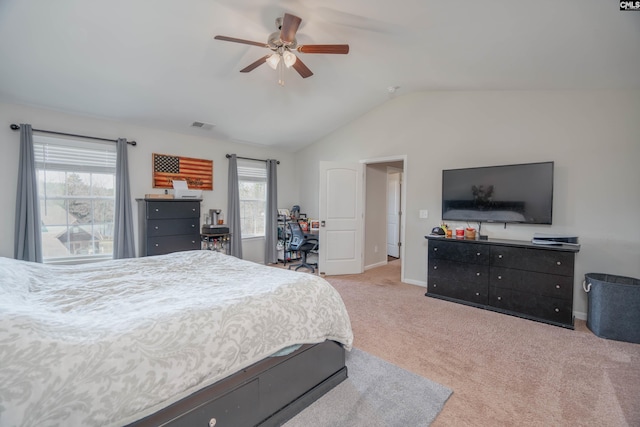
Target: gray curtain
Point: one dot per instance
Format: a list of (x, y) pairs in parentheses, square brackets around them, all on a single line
[(233, 204), (271, 216), (28, 233), (123, 243)]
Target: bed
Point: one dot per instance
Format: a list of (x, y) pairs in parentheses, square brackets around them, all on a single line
[(165, 340)]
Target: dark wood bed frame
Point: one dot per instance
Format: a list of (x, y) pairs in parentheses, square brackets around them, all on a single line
[(265, 394)]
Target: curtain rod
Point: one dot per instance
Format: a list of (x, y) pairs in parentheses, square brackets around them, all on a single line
[(16, 127), (249, 158)]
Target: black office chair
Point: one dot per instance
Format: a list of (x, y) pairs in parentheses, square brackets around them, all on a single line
[(303, 243)]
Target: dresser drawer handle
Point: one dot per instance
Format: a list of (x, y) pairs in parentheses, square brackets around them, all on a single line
[(435, 249), (499, 277), (156, 227), (477, 274), (435, 286), (558, 263), (157, 245), (500, 256), (477, 294), (557, 286), (194, 209), (213, 422), (435, 267), (499, 298), (157, 210), (478, 253), (193, 226), (557, 310)]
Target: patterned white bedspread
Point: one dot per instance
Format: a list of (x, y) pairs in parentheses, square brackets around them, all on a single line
[(107, 343)]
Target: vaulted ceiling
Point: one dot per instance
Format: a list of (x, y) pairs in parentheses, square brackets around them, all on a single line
[(156, 63)]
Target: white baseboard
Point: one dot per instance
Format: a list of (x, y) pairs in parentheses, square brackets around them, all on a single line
[(378, 264), (415, 282), (580, 315)]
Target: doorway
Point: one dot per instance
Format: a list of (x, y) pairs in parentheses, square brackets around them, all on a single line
[(384, 212)]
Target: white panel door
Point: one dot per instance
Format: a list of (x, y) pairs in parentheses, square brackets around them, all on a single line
[(393, 214), (341, 221)]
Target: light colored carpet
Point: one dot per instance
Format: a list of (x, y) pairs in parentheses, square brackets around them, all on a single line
[(376, 394), (503, 370)]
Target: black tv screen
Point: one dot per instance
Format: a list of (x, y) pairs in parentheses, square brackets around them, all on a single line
[(510, 193)]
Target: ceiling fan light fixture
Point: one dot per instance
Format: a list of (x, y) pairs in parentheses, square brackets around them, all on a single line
[(273, 61), (289, 58)]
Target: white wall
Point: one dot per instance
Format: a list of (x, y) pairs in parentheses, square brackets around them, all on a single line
[(592, 136), (149, 141)]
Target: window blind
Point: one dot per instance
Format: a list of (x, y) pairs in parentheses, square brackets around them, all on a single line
[(81, 156)]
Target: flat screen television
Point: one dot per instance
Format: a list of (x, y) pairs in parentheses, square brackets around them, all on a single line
[(520, 193)]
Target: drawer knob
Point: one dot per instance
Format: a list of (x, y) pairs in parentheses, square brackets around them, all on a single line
[(194, 209), (557, 286), (500, 256), (192, 226), (157, 210), (477, 274), (435, 267), (212, 422), (157, 245), (435, 286), (156, 227), (478, 253), (435, 249), (558, 263), (499, 298), (499, 277), (477, 294), (557, 310)]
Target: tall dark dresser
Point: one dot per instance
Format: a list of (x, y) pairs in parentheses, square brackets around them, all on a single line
[(168, 225)]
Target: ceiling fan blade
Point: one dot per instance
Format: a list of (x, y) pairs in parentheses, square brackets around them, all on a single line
[(290, 24), (233, 39), (255, 64), (302, 69), (324, 48)]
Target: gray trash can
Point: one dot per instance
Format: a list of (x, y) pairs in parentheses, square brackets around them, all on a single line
[(614, 306)]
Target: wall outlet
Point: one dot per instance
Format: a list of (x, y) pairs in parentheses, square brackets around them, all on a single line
[(424, 214)]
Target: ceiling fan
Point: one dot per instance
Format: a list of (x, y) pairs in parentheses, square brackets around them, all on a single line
[(283, 43)]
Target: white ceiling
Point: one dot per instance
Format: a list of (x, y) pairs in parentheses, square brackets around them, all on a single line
[(155, 63)]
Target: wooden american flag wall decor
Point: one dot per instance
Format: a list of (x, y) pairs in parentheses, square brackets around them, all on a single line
[(197, 172)]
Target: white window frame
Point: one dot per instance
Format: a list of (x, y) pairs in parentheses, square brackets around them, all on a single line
[(74, 156), (252, 171)]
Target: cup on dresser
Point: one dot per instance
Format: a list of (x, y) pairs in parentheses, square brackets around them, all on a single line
[(470, 233), (459, 233)]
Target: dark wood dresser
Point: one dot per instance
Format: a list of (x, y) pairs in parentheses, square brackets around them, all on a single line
[(168, 225), (508, 276)]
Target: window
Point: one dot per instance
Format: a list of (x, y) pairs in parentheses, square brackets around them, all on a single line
[(252, 187), (76, 187)]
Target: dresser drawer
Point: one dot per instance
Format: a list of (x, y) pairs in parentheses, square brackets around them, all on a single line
[(165, 227), (166, 210), (166, 244), (461, 252), (538, 306), (540, 260), (468, 292), (527, 281), (458, 273)]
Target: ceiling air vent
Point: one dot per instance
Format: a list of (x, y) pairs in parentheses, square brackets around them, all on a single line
[(202, 125)]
